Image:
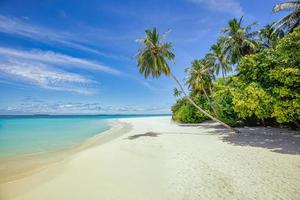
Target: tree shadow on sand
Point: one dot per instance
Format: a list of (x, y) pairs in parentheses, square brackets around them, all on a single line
[(148, 134), (278, 140)]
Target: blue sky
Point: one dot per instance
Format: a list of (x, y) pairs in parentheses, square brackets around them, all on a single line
[(73, 57)]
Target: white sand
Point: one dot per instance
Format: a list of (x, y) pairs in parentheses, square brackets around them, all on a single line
[(180, 163)]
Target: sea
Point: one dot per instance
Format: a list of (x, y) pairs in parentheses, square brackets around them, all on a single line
[(21, 135)]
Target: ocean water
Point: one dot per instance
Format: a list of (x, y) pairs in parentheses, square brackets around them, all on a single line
[(30, 135)]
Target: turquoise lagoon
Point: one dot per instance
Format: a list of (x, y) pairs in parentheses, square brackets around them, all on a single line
[(35, 134)]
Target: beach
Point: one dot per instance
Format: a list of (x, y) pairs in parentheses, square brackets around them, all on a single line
[(154, 158)]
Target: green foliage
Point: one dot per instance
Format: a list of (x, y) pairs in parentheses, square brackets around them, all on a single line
[(219, 58), (287, 111), (265, 90), (255, 67), (269, 37), (185, 112), (252, 101), (199, 75), (288, 49), (223, 101), (287, 104), (239, 40), (200, 99), (288, 77), (179, 103), (274, 77), (177, 92), (154, 55)]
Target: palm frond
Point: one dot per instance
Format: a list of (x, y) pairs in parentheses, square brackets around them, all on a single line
[(291, 5)]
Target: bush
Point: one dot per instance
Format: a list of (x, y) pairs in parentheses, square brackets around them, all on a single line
[(266, 89), (252, 102), (223, 101), (184, 111), (286, 94), (186, 114), (271, 81)]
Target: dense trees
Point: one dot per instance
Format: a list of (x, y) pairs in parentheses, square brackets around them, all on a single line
[(276, 73), (153, 58), (264, 87), (265, 90)]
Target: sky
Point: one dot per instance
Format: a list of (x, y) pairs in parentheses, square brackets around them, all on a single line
[(77, 57)]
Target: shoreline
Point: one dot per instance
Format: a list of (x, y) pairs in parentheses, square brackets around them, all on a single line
[(154, 158), (11, 170)]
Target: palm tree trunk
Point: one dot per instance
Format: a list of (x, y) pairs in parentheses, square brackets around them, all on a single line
[(200, 109), (212, 107)]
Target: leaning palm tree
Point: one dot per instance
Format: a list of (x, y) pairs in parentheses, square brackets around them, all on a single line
[(219, 59), (292, 20), (238, 40), (153, 58)]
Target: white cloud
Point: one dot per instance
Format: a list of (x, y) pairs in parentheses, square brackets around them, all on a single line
[(22, 28), (47, 69), (56, 58), (43, 107), (43, 76), (227, 6)]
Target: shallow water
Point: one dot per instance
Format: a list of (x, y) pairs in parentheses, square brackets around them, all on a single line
[(31, 135)]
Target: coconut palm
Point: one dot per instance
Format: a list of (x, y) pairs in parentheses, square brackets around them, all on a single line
[(269, 37), (292, 20), (199, 76), (177, 92), (199, 79), (153, 60), (238, 40), (219, 59)]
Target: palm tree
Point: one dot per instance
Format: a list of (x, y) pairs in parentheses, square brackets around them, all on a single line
[(238, 40), (153, 58), (292, 20), (269, 37), (199, 78), (177, 92), (219, 59)]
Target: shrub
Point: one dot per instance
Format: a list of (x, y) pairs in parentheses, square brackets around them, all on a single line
[(266, 88), (184, 111), (223, 101), (252, 101)]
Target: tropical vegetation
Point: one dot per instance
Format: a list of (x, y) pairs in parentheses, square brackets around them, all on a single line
[(249, 77), (153, 58)]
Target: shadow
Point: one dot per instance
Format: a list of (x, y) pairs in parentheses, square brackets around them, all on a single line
[(212, 128), (148, 134), (153, 134), (276, 139), (188, 125), (215, 129), (185, 133)]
